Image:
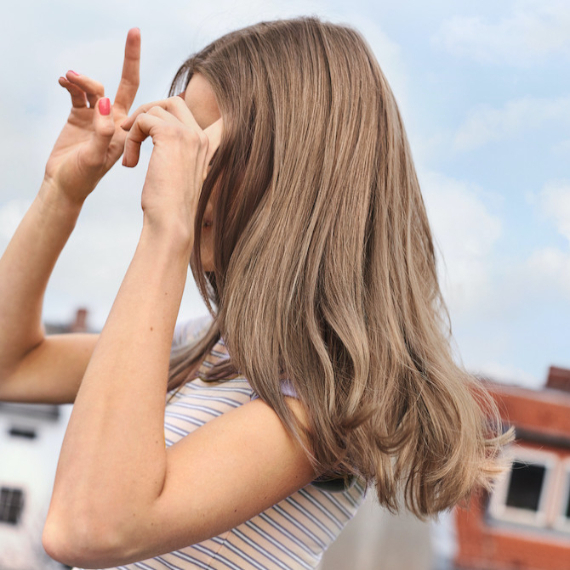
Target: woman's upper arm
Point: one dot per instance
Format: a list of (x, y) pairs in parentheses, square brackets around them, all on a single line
[(51, 373), (219, 476)]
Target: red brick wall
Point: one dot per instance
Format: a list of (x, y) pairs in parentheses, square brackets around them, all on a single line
[(505, 547)]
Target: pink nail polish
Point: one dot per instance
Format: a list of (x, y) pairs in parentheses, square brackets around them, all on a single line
[(74, 72), (104, 105)]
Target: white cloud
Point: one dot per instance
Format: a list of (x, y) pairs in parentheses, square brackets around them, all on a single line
[(546, 271), (486, 124), (485, 292), (555, 203), (537, 29), (466, 233)]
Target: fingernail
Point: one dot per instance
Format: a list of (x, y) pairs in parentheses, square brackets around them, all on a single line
[(74, 72), (104, 105)]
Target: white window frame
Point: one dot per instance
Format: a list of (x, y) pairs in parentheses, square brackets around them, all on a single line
[(500, 511), (561, 522)]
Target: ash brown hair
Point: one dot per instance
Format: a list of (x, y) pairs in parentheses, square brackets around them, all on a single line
[(325, 270)]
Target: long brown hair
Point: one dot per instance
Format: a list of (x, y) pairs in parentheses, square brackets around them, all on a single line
[(325, 270)]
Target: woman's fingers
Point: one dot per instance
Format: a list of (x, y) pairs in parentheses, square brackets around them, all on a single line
[(174, 105), (83, 89), (104, 129), (163, 114), (171, 112), (78, 99), (138, 125), (130, 77), (93, 89), (140, 130)]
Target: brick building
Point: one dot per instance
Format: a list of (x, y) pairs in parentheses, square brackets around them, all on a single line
[(525, 522)]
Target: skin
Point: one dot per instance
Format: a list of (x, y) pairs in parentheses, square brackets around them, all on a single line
[(117, 500), (201, 100)]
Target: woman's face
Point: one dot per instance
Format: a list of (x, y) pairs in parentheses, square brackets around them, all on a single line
[(202, 102)]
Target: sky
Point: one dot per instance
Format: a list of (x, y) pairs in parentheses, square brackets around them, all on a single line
[(484, 91)]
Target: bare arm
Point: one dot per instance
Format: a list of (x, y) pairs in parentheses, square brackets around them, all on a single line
[(119, 495), (35, 368)]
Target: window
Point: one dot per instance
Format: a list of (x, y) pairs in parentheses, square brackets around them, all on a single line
[(11, 505), (525, 486), (523, 495)]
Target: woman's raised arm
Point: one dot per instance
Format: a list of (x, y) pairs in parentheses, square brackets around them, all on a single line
[(119, 495), (34, 368)]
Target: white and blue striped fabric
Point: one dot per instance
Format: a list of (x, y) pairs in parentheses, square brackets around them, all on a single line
[(292, 534)]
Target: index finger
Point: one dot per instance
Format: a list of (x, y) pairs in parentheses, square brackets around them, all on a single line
[(130, 77)]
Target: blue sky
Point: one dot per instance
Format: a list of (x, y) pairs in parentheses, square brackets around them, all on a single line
[(484, 91)]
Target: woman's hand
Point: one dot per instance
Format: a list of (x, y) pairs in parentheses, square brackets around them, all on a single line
[(178, 164), (92, 140)]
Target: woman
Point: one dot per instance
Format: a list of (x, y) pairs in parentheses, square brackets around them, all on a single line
[(283, 173)]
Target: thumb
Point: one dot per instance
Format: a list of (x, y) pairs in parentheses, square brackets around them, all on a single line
[(104, 129)]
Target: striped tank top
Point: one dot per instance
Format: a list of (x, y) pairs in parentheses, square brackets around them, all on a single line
[(292, 534)]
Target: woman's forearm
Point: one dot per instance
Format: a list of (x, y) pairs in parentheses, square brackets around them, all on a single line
[(25, 268), (113, 460)]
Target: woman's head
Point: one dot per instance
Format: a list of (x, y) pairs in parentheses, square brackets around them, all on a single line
[(305, 110), (324, 266)]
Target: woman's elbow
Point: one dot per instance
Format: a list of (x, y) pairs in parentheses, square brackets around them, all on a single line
[(76, 543)]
